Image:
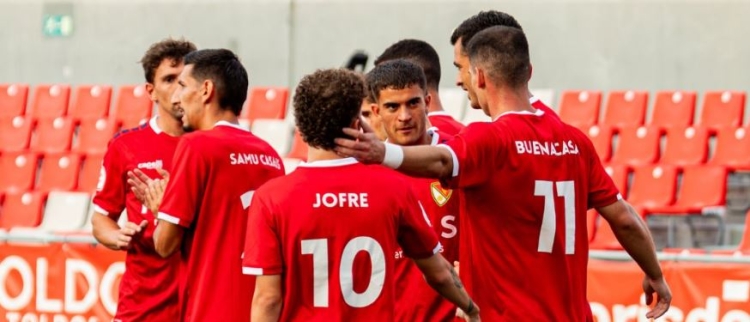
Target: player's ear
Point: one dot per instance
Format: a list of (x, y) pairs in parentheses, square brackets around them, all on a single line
[(207, 90), (480, 78), (531, 69), (150, 91), (375, 108), (357, 123), (427, 99)]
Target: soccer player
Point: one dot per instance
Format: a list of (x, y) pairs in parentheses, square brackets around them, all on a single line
[(424, 55), (401, 92), (217, 168), (527, 183), (463, 34), (373, 120), (148, 289), (322, 240)]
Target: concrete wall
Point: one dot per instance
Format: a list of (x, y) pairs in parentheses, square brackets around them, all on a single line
[(586, 44)]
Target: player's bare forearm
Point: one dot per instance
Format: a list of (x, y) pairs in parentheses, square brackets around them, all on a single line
[(267, 299), (443, 278), (167, 238), (105, 230), (633, 235), (427, 162)]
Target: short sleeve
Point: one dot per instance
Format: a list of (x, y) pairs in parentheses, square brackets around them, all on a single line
[(602, 190), (111, 188), (477, 150), (263, 253), (416, 237), (184, 192)]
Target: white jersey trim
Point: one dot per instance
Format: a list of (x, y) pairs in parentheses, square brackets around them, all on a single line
[(328, 163), (154, 125), (252, 271), (454, 157), (225, 123), (439, 113), (168, 218), (535, 113), (434, 134), (533, 99), (100, 210), (437, 248)]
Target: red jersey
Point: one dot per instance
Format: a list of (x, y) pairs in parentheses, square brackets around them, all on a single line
[(539, 105), (331, 229), (528, 180), (215, 174), (148, 289), (445, 122), (416, 300)]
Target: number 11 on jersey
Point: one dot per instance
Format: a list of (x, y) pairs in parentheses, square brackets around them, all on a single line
[(566, 190)]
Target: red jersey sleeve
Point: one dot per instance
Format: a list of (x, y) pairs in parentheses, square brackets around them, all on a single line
[(602, 190), (416, 237), (186, 187), (111, 188), (479, 148), (262, 254)]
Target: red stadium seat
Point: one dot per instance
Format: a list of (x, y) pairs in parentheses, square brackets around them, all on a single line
[(53, 136), (90, 170), (22, 209), (637, 146), (686, 146), (94, 135), (13, 99), (625, 108), (134, 106), (299, 147), (59, 172), (15, 134), (91, 102), (601, 137), (673, 108), (701, 187), (619, 175), (18, 171), (722, 109), (604, 238), (653, 187), (50, 101), (732, 148), (267, 103), (580, 108)]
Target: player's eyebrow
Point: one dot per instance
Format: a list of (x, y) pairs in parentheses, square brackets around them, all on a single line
[(456, 64), (414, 100)]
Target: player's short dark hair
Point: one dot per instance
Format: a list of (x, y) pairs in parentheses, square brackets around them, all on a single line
[(396, 74), (503, 53), (172, 49), (418, 52), (222, 67), (483, 20), (325, 102)]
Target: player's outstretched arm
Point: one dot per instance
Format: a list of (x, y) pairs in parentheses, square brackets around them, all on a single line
[(267, 299), (108, 233), (416, 161), (167, 238), (633, 235), (443, 278)]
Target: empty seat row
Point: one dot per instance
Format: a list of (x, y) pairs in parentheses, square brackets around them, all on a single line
[(23, 172), (671, 108), (133, 104), (683, 146), (56, 135)]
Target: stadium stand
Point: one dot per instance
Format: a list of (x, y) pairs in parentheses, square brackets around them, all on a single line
[(580, 108), (625, 109), (133, 106), (15, 134), (686, 146), (673, 108), (278, 133), (722, 109), (637, 145), (91, 102), (50, 102), (52, 136), (13, 100), (94, 135), (299, 147), (266, 103), (601, 137)]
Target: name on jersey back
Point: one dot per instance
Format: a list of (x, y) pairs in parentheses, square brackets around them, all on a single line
[(341, 200), (252, 158), (546, 148)]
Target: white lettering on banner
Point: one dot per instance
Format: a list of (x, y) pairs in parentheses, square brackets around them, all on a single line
[(18, 264), (546, 148), (72, 303), (44, 304), (250, 158), (32, 317), (637, 312)]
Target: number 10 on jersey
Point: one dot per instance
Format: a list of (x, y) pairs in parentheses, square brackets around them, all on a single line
[(566, 190)]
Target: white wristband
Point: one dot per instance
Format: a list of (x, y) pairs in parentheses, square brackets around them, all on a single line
[(394, 156)]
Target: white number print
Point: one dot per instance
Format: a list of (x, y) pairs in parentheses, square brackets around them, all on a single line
[(566, 190), (318, 248)]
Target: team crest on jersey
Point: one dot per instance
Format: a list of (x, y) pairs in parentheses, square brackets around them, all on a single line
[(440, 195)]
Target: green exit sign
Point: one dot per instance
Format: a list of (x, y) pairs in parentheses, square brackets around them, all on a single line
[(57, 25)]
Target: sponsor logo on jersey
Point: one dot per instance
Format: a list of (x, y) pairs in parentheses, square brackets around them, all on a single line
[(439, 194), (158, 164)]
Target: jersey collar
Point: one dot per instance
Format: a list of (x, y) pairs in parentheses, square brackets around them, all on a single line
[(154, 125), (328, 163), (532, 100), (225, 123)]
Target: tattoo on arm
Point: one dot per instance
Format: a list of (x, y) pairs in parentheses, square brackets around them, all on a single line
[(456, 280)]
